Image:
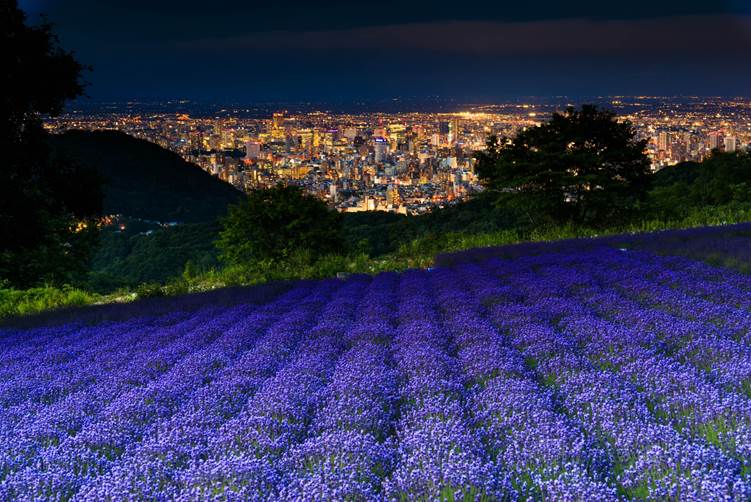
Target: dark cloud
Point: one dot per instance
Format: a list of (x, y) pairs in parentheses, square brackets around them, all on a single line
[(694, 36), (245, 51)]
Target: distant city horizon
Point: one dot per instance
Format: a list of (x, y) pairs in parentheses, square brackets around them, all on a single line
[(373, 105), (398, 156)]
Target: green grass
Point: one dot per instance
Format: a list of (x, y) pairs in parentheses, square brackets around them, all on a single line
[(419, 252), (15, 302)]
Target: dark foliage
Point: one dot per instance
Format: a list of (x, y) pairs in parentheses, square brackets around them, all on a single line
[(126, 259), (378, 233), (144, 180), (275, 224), (46, 201), (722, 179), (582, 166), (374, 232)]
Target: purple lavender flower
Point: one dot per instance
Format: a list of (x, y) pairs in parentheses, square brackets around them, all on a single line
[(567, 372)]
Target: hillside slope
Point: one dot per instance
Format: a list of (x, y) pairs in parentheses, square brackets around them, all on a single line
[(143, 180)]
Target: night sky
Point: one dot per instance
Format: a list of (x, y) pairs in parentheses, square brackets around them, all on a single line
[(223, 51)]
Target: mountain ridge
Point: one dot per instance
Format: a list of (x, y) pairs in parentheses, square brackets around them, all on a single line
[(143, 180)]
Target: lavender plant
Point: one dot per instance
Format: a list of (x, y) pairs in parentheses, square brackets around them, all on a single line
[(570, 373)]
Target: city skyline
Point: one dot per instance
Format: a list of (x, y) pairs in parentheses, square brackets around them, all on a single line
[(242, 52), (403, 162)]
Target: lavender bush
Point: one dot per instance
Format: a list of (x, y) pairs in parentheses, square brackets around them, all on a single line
[(576, 372)]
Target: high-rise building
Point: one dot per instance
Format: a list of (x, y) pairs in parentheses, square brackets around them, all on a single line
[(392, 196), (715, 140), (350, 133), (663, 141), (731, 144), (333, 192), (329, 136), (277, 126), (453, 133), (687, 140), (252, 150), (306, 138), (316, 138), (381, 147)]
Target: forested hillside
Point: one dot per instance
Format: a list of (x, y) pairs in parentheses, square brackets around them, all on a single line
[(144, 180)]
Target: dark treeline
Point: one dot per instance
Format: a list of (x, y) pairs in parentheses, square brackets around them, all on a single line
[(47, 201)]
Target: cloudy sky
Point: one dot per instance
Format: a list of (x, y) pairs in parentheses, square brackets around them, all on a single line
[(225, 51)]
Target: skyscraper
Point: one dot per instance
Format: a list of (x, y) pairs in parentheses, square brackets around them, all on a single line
[(731, 144), (453, 135), (381, 147), (663, 141), (252, 150), (715, 140), (277, 126)]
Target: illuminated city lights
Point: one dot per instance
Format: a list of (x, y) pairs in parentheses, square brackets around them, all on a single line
[(408, 162)]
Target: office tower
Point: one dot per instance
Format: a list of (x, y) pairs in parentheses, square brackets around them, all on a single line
[(333, 192), (453, 133), (306, 138), (316, 138), (715, 140), (663, 141), (277, 120), (252, 150), (277, 126), (731, 144), (381, 147)]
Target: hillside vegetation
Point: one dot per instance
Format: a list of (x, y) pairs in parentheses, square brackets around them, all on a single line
[(143, 180), (147, 260)]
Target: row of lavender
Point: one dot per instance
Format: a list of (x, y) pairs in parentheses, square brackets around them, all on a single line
[(600, 374), (721, 245)]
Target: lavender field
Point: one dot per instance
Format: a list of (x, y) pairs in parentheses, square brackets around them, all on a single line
[(594, 374)]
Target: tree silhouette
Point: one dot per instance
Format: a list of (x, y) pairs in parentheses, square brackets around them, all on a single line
[(275, 223), (582, 166), (45, 199)]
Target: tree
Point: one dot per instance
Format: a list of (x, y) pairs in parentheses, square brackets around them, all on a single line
[(274, 224), (46, 201), (582, 166)]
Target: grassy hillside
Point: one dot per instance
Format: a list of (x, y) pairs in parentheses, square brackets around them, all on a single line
[(129, 258), (143, 180)]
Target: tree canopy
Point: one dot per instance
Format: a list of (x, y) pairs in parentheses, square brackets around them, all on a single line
[(273, 224), (45, 200), (582, 165)]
